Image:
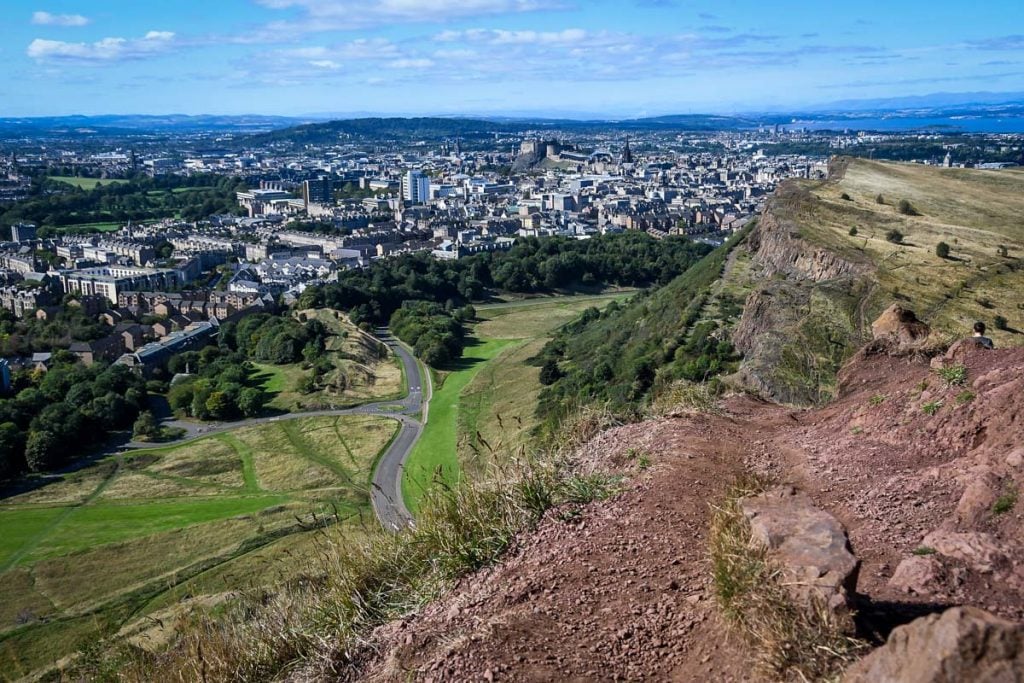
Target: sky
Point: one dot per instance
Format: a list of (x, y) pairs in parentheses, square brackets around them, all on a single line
[(616, 58)]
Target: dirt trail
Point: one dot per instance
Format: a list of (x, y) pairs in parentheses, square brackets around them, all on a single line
[(620, 590)]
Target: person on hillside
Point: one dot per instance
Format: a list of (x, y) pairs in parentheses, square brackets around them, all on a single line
[(979, 336)]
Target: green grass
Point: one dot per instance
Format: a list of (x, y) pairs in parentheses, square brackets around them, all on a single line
[(138, 532), (104, 226), (435, 455), (87, 183)]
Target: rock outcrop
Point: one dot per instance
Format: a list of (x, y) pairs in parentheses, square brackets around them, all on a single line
[(961, 644), (810, 544), (900, 328)]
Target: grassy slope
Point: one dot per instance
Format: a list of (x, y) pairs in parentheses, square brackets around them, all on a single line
[(494, 394), (128, 535), (87, 183), (973, 211), (354, 355)]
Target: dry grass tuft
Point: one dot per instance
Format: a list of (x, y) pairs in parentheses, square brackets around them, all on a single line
[(684, 397), (789, 642)]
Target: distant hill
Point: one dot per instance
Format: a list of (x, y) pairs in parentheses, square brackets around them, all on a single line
[(134, 124), (402, 129)]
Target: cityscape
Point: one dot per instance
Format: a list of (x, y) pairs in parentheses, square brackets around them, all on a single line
[(511, 340)]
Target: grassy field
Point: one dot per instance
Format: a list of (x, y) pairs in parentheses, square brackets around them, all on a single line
[(87, 183), (360, 375), (487, 404), (96, 551), (973, 211)]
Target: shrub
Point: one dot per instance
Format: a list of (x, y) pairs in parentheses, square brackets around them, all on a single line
[(1001, 323), (1002, 250), (853, 231), (879, 199), (931, 407), (894, 236), (906, 208), (923, 550), (954, 375), (1005, 502), (942, 250), (845, 197)]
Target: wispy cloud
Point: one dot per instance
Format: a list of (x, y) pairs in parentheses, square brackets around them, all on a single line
[(106, 50), (47, 19), (333, 15), (1012, 42)]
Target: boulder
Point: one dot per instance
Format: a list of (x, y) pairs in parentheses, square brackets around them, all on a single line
[(961, 644), (810, 544), (919, 575), (977, 499), (900, 327), (974, 548)]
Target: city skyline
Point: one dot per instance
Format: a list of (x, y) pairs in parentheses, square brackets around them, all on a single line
[(542, 57)]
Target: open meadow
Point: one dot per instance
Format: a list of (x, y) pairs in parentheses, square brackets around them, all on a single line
[(978, 213), (93, 552), (485, 405)]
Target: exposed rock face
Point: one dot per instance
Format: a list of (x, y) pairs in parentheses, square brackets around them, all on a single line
[(900, 327), (779, 248), (810, 544), (800, 324), (961, 644)]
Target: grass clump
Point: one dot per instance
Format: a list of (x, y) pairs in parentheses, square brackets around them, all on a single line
[(789, 642), (877, 399), (684, 396), (1005, 502), (965, 397), (931, 407), (923, 551), (954, 375)]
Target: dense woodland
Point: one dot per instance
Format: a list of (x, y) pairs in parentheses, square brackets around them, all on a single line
[(221, 385), (634, 259), (69, 324), (436, 334), (57, 413), (619, 356), (55, 204)]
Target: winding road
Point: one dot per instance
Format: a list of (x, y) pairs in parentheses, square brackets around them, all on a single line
[(386, 482)]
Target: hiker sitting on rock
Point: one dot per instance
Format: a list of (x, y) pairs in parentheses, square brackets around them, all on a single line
[(979, 336)]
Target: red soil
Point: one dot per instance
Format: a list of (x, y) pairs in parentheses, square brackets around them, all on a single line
[(620, 590)]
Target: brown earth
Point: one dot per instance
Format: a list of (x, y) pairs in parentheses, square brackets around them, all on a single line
[(620, 590)]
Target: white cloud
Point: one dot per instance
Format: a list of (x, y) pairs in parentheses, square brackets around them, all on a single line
[(503, 37), (328, 64), (106, 50), (327, 15), (47, 19), (421, 63)]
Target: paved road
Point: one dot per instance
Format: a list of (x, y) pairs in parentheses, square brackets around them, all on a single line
[(386, 483)]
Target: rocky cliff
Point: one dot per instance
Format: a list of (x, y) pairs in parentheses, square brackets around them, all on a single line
[(802, 321)]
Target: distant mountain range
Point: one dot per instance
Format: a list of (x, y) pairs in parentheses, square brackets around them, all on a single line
[(938, 111)]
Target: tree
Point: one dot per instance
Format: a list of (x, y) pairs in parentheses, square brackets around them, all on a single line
[(251, 401), (42, 450), (942, 250), (146, 427), (12, 455), (219, 406)]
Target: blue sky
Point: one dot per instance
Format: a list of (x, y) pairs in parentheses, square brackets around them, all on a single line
[(611, 57)]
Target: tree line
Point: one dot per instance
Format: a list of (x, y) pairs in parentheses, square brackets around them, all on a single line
[(436, 333), (53, 203), (533, 265)]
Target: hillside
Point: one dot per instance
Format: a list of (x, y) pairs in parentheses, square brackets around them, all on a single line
[(822, 264)]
